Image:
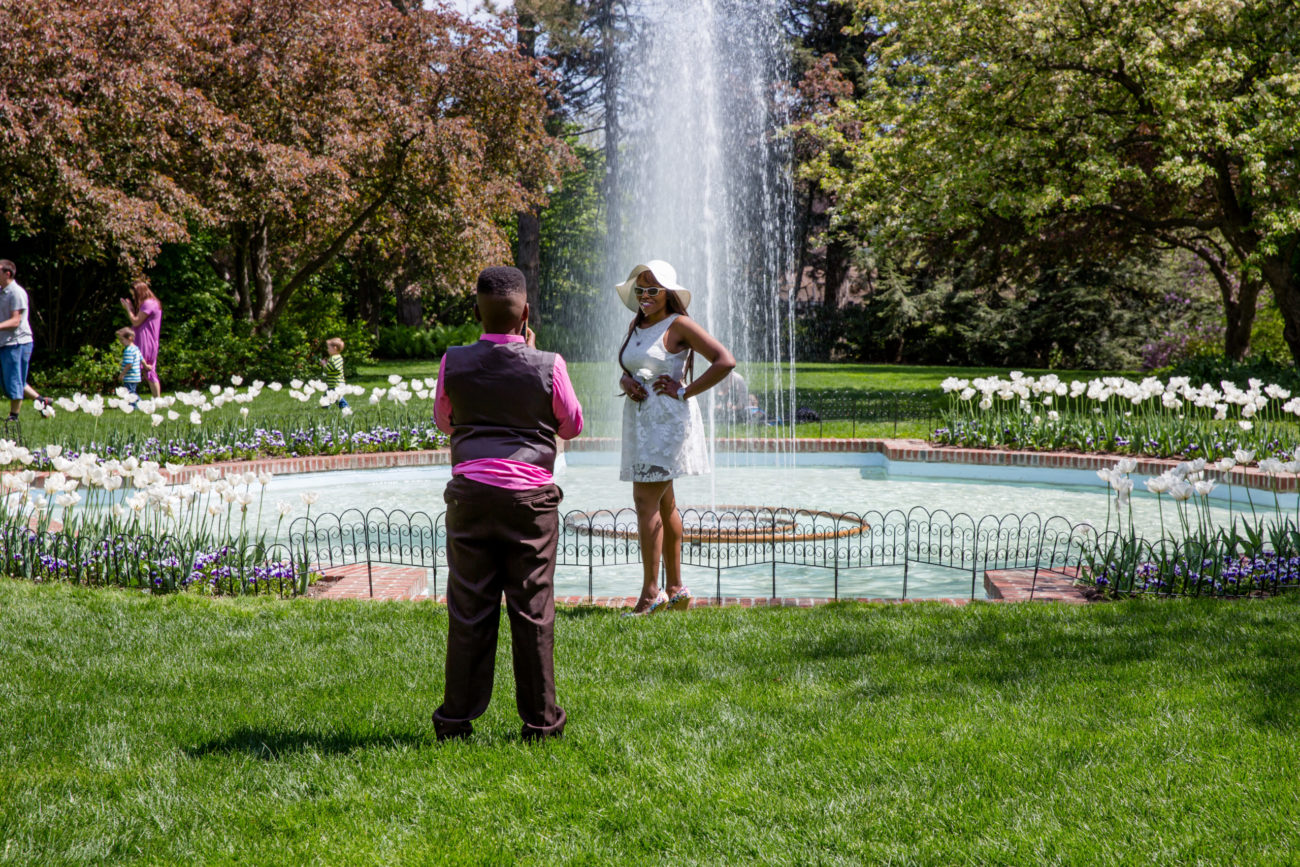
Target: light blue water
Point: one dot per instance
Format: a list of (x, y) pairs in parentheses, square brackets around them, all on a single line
[(590, 482)]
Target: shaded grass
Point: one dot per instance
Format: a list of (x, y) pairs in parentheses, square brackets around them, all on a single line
[(165, 729)]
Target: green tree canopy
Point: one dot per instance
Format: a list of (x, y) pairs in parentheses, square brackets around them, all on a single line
[(1107, 122)]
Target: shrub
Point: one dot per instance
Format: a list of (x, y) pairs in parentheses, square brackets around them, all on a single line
[(93, 369), (1216, 367), (404, 341)]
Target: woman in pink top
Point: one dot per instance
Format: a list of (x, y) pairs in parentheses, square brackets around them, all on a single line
[(146, 318)]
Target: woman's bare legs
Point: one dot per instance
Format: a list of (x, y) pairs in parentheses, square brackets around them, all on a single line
[(672, 541), (649, 498)]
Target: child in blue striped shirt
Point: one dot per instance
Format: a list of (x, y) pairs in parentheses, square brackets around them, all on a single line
[(131, 359)]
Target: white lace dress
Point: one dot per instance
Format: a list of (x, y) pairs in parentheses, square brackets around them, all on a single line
[(663, 437)]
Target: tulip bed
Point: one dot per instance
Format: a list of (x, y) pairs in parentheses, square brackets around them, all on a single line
[(132, 523), (237, 422), (1117, 415)]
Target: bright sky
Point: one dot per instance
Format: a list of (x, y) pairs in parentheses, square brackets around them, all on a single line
[(468, 7)]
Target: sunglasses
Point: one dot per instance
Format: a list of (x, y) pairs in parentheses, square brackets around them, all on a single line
[(648, 291)]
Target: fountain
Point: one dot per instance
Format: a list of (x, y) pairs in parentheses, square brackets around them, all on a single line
[(706, 182)]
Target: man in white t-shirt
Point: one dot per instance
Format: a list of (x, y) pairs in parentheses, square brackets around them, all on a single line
[(15, 337)]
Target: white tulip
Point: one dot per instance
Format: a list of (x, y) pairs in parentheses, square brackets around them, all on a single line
[(347, 410), (1159, 484), (264, 477), (155, 419), (1204, 487), (215, 509), (394, 378), (1180, 491), (1126, 465), (172, 415), (68, 500), (53, 451), (243, 412), (283, 507), (196, 417), (275, 386), (309, 497)]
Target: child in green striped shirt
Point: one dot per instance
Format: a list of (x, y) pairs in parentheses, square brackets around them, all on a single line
[(333, 365)]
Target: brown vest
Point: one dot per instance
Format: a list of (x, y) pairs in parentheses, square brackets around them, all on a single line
[(501, 403)]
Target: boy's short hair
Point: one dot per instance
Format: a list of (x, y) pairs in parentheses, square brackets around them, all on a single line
[(126, 332), (335, 343), (502, 281), (8, 265)]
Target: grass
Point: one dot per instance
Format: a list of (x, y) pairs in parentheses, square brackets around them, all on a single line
[(138, 729)]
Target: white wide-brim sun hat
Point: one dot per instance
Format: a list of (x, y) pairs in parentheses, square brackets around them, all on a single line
[(665, 275)]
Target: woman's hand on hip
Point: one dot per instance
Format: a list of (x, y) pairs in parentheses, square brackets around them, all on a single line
[(665, 384), (632, 388)]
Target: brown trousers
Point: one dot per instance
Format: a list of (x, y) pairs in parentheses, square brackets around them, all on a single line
[(500, 541)]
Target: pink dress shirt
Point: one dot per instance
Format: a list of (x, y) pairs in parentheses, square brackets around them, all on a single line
[(499, 472)]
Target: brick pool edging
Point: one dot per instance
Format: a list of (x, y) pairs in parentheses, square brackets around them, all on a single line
[(919, 451), (385, 581), (923, 451)]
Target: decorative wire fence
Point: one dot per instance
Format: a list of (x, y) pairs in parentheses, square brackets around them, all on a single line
[(795, 546), (811, 410), (856, 407)]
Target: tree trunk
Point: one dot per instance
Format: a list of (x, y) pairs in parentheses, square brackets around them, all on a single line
[(801, 232), (1240, 319), (410, 304), (240, 271), (528, 256), (838, 254), (609, 98), (1284, 279), (528, 224), (260, 268)]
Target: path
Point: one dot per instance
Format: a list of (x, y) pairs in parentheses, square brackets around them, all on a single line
[(409, 582)]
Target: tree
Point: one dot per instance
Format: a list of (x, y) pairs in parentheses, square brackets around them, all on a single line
[(828, 57), (293, 127), (580, 41), (1110, 122)]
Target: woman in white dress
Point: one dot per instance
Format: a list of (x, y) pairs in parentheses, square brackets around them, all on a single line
[(663, 432)]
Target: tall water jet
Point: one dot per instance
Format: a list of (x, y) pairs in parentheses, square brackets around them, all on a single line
[(705, 181)]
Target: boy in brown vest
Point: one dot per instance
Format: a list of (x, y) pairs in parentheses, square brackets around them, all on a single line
[(503, 402)]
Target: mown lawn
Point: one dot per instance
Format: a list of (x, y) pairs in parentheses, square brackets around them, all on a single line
[(138, 729)]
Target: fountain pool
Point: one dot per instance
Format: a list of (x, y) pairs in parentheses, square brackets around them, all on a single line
[(944, 513)]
